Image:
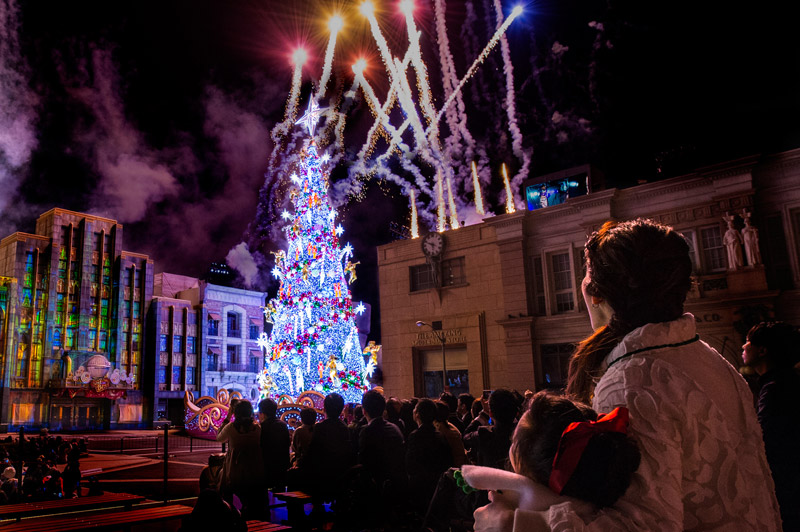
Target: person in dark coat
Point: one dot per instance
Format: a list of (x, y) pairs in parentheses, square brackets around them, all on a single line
[(772, 350), (427, 456), (452, 404), (381, 453), (464, 409), (490, 444), (330, 453), (275, 443)]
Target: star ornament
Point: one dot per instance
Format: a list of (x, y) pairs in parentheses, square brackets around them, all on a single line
[(310, 119), (360, 308)]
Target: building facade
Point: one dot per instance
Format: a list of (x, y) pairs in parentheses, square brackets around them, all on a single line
[(504, 296), (205, 338), (73, 303)]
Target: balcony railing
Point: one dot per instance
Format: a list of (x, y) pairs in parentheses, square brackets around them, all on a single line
[(234, 333), (212, 366), (237, 367)]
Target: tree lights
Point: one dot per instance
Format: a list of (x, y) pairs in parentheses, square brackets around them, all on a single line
[(314, 344)]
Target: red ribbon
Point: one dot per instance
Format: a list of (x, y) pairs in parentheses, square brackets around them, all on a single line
[(574, 440)]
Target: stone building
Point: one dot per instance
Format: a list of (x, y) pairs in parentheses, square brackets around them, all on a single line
[(72, 302), (219, 348), (504, 295)]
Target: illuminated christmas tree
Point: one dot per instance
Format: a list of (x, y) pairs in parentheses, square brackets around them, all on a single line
[(314, 344)]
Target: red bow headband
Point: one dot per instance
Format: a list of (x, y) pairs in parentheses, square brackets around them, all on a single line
[(574, 440)]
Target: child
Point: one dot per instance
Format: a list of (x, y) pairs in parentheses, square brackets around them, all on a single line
[(560, 448)]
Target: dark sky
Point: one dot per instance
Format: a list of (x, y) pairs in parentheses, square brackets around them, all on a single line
[(159, 114)]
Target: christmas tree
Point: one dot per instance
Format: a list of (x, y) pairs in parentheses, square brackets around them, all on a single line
[(314, 344)]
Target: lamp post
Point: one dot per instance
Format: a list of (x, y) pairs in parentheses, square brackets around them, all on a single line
[(440, 336)]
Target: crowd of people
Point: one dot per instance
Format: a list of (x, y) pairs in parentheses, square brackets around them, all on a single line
[(654, 431), (31, 468)]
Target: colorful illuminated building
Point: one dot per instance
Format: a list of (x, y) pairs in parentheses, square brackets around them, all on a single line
[(72, 304)]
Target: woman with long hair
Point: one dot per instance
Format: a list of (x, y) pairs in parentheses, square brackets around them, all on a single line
[(703, 465), (243, 472)]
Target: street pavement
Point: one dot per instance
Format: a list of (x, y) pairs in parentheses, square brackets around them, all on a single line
[(133, 462)]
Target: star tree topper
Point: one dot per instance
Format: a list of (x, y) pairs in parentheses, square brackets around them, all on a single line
[(312, 115)]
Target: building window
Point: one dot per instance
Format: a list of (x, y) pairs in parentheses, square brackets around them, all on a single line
[(190, 345), (92, 340), (135, 342), (233, 355), (162, 343), (254, 332), (136, 307), (212, 391), (190, 375), (555, 361), (212, 362), (776, 253), (453, 272), (714, 257), (176, 375), (213, 327), (255, 364), (177, 343), (162, 374), (539, 297), (562, 282), (233, 325), (421, 277)]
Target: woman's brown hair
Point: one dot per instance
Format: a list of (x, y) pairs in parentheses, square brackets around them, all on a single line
[(643, 271)]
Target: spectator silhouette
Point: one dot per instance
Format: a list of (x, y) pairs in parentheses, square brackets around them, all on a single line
[(407, 415), (427, 456), (243, 473), (302, 435), (381, 453), (452, 404), (393, 407), (491, 443), (464, 409), (330, 453), (275, 442), (773, 350), (455, 443), (212, 513)]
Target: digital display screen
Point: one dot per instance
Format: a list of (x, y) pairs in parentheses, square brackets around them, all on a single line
[(549, 193)]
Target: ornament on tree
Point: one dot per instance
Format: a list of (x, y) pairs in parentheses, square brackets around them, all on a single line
[(314, 335)]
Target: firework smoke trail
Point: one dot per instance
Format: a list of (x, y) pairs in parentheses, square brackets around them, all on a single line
[(480, 59), (414, 51), (511, 108), (18, 113), (367, 10), (441, 217), (476, 184), (378, 110), (414, 222), (403, 90), (456, 117), (334, 25), (509, 195), (451, 202)]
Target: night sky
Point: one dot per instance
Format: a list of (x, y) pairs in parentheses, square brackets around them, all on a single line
[(158, 114)]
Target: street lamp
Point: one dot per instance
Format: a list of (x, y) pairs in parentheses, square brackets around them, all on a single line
[(440, 335)]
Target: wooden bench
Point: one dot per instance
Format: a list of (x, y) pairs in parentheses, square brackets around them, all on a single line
[(57, 506), (265, 526), (120, 520), (295, 501)]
